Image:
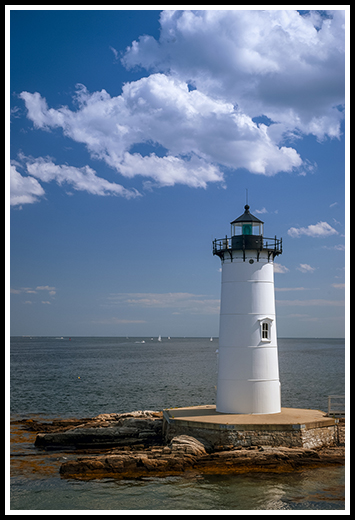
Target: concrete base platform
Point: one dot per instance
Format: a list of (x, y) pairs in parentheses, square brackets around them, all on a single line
[(292, 427)]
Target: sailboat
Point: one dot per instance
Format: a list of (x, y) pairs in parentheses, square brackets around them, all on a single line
[(211, 339), (159, 339)]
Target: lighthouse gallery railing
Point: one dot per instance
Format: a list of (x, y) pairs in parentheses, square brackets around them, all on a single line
[(270, 244), (336, 405)]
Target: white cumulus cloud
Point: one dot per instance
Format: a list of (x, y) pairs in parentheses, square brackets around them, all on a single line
[(279, 268), (213, 75), (321, 229), (197, 132), (306, 268), (81, 179), (23, 190), (287, 66)]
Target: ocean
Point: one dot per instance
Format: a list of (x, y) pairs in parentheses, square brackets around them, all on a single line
[(53, 377)]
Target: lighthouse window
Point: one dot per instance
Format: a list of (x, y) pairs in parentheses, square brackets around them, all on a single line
[(247, 229), (265, 330)]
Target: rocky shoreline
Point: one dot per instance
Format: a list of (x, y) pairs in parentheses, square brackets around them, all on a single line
[(131, 445)]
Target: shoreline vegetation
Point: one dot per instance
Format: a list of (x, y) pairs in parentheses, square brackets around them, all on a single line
[(132, 445)]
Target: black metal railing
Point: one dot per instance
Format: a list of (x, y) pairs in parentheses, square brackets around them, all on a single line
[(244, 242), (336, 405), (221, 244)]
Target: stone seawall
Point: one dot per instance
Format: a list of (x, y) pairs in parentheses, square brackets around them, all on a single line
[(292, 428), (317, 437), (302, 438)]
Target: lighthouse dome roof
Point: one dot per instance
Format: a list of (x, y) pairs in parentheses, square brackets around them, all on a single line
[(247, 217)]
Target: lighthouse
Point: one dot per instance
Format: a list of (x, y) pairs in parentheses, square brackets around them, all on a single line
[(248, 367)]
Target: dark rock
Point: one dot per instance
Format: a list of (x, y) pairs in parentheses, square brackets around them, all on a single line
[(186, 453), (106, 430), (131, 445)]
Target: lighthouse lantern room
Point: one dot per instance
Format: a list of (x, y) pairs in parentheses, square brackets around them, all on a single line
[(248, 369)]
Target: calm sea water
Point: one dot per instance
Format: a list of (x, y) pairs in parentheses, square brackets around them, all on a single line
[(83, 377)]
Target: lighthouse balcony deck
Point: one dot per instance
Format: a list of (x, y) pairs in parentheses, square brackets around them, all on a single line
[(223, 246)]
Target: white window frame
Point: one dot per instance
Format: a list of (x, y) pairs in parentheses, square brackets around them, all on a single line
[(265, 330), (268, 323)]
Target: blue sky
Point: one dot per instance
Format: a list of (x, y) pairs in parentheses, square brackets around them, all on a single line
[(134, 136)]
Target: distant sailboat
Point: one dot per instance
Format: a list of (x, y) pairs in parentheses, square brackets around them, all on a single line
[(211, 339), (159, 339)]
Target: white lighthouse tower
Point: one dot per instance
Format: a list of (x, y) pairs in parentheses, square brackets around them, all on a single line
[(248, 367)]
